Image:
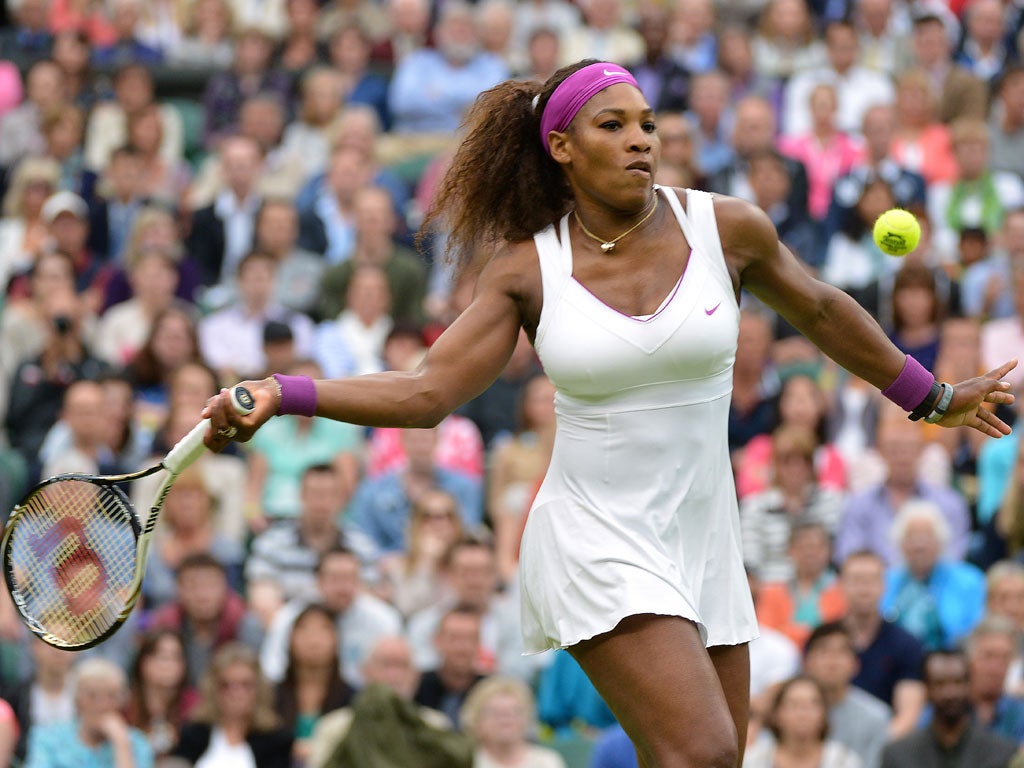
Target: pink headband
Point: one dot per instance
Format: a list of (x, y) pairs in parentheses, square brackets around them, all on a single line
[(575, 91)]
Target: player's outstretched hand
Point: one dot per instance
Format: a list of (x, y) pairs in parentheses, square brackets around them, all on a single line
[(227, 424), (966, 410)]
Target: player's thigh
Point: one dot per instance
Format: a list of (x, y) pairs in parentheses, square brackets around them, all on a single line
[(656, 676)]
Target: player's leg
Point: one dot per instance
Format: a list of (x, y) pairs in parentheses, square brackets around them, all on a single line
[(732, 663), (659, 681)]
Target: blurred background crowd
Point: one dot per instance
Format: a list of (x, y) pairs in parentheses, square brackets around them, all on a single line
[(196, 192)]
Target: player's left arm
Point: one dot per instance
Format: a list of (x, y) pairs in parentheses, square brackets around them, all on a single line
[(834, 321)]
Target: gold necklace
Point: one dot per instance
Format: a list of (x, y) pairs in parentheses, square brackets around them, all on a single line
[(607, 246)]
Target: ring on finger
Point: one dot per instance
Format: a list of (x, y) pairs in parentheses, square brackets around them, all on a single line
[(227, 432)]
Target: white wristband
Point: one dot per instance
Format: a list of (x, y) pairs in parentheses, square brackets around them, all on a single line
[(942, 406)]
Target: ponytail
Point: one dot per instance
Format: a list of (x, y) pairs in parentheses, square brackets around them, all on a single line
[(501, 186)]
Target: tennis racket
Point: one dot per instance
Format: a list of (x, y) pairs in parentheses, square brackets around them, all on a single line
[(74, 550)]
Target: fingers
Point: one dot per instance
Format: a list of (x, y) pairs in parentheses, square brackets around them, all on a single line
[(1005, 368), (987, 422)]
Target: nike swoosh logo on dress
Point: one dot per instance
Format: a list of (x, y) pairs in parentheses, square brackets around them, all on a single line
[(711, 311)]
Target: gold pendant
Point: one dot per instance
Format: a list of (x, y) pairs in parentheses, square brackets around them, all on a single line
[(607, 247)]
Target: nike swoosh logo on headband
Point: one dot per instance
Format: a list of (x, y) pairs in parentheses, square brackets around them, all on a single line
[(609, 73)]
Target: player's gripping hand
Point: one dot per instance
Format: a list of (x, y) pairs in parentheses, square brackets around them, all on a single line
[(227, 424), (966, 408)]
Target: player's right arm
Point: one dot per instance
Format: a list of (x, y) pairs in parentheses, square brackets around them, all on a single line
[(461, 364)]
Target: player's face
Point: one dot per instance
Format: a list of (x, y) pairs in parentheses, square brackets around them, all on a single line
[(611, 150)]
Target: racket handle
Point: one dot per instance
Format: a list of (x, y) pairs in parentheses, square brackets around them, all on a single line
[(191, 446)]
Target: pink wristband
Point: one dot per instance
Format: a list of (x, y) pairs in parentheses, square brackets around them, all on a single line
[(911, 387), (298, 395)]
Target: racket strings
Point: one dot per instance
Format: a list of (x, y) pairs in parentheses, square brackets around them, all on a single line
[(73, 559)]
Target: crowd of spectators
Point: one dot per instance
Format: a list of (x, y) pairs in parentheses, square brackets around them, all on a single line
[(196, 192)]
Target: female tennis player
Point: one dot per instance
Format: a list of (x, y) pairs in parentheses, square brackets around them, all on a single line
[(631, 555)]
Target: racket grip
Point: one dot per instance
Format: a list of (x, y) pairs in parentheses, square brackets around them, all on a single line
[(191, 446)]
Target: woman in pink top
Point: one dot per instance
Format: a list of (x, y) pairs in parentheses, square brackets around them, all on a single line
[(825, 151), (922, 143)]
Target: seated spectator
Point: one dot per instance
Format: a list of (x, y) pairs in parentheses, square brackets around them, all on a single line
[(23, 232), (826, 150), (517, 464), (494, 23), (332, 199), (977, 195), (309, 136), (162, 181), (710, 115), (160, 698), (917, 314), (868, 516), (499, 714), (767, 518), (856, 719), (388, 669), (936, 599), (251, 73), (985, 276), (293, 444), (45, 697), (126, 326), (456, 71), (457, 643), (990, 649), (922, 143), (126, 47), (755, 397), (604, 34), (362, 619), (773, 658), (39, 383), (1010, 517), (952, 730), (567, 701), (799, 721), (172, 342), (693, 35), (299, 271), (376, 227), (188, 528), (961, 94), (72, 51), (665, 81), (983, 51), (234, 724), (785, 42), (231, 339), (206, 37), (379, 513), (301, 48), (84, 415), (1006, 125), (413, 579), (542, 55), (312, 684), (889, 657), (20, 134), (1007, 332), (288, 551), (63, 129), (802, 404), (222, 232), (771, 189), (206, 613), (134, 89), (349, 49), (811, 596), (98, 735), (27, 38), (473, 580), (352, 344)]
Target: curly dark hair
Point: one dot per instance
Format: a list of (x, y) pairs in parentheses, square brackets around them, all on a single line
[(501, 186)]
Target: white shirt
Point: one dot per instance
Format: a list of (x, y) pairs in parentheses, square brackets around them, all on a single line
[(360, 627), (49, 710), (858, 90), (221, 754), (233, 337), (346, 347), (239, 217)]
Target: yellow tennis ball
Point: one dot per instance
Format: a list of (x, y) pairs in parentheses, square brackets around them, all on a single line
[(897, 232)]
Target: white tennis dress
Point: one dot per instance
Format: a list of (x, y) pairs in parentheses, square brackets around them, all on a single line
[(637, 512)]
